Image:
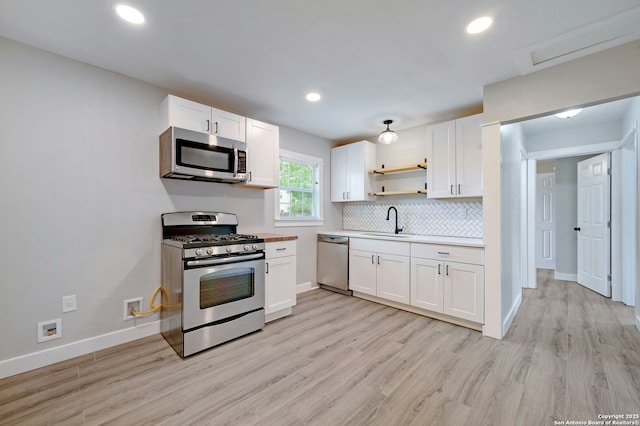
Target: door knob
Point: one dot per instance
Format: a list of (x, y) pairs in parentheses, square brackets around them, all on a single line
[(576, 229)]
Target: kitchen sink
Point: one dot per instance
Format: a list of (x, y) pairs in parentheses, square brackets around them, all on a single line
[(387, 234)]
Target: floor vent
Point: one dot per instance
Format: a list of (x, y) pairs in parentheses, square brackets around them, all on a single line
[(601, 35)]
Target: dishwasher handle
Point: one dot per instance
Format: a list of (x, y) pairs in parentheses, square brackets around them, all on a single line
[(333, 239)]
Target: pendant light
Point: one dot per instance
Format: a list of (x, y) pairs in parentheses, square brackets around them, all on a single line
[(388, 136)]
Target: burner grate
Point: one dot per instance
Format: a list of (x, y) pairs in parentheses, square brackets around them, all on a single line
[(214, 238)]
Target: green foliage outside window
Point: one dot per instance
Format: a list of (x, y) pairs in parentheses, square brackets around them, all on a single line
[(297, 188)]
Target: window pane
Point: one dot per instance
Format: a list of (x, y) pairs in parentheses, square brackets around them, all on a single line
[(299, 190)]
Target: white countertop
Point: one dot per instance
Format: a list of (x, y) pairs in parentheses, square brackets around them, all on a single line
[(410, 238)]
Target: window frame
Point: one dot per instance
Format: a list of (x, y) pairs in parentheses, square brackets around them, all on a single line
[(317, 220)]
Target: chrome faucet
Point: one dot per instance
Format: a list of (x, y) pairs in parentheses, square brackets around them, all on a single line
[(388, 213)]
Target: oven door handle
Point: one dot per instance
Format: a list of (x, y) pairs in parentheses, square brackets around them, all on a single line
[(208, 262)]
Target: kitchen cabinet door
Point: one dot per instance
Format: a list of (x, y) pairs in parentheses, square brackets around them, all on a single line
[(441, 160), (393, 277), (263, 150), (350, 164), (362, 272), (280, 285), (426, 284), (228, 125), (454, 162), (469, 156), (464, 291), (339, 174), (179, 112)]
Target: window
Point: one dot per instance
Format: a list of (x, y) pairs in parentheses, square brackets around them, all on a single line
[(299, 197)]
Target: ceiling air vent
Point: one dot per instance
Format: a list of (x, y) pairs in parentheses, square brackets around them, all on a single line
[(601, 35)]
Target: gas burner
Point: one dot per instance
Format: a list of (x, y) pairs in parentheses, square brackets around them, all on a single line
[(212, 238)]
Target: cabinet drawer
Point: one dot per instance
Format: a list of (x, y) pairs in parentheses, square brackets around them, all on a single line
[(280, 249), (474, 255), (380, 246)]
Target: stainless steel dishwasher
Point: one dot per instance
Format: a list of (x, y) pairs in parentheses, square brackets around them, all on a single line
[(333, 263)]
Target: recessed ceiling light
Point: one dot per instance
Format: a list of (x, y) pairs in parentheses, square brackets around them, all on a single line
[(313, 97), (479, 25), (129, 14), (569, 114)]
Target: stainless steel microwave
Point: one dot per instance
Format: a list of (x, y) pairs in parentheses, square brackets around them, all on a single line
[(185, 154)]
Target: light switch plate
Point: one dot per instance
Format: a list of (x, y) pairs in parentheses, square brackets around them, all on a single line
[(69, 303)]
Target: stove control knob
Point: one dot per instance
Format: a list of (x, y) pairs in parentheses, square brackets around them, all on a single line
[(198, 252), (229, 249), (210, 251), (247, 248), (255, 247)]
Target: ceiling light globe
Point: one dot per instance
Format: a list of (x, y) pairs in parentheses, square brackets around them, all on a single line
[(479, 25), (387, 137)]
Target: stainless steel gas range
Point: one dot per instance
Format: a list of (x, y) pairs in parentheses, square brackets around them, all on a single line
[(214, 280)]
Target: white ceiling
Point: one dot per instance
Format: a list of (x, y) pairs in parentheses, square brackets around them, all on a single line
[(410, 61)]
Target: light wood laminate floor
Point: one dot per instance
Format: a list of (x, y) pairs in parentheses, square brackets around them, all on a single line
[(569, 355)]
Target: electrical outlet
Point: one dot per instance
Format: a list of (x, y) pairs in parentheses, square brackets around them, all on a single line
[(49, 330), (129, 304), (69, 303)]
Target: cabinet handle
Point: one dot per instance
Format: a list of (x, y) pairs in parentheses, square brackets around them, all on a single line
[(344, 195), (447, 270), (348, 195), (378, 260), (208, 125), (444, 252), (267, 265), (459, 189), (372, 256), (216, 128), (439, 272), (250, 176), (281, 249), (451, 190)]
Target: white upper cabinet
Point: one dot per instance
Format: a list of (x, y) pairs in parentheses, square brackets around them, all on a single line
[(263, 147), (454, 150), (179, 112), (350, 180)]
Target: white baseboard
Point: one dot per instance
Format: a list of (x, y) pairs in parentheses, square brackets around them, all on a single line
[(22, 363), (512, 314), (638, 322), (565, 277), (301, 288)]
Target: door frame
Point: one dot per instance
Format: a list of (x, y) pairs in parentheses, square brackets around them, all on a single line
[(624, 213), (529, 245)]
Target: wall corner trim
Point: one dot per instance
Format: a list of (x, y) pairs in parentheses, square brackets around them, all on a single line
[(22, 363)]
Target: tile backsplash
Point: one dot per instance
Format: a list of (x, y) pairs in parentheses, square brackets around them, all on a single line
[(424, 217)]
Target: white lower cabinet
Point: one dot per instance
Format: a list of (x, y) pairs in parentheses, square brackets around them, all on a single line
[(280, 279), (448, 280), (380, 268)]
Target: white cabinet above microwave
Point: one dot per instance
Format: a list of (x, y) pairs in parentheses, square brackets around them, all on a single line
[(186, 114)]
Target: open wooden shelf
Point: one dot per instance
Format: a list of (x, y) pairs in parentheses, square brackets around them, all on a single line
[(406, 168), (413, 191)]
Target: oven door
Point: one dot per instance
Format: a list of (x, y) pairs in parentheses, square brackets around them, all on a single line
[(216, 292)]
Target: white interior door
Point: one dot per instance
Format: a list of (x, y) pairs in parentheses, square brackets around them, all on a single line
[(593, 224), (545, 221)]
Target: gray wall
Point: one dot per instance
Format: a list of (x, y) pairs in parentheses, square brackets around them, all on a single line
[(511, 147), (81, 197)]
